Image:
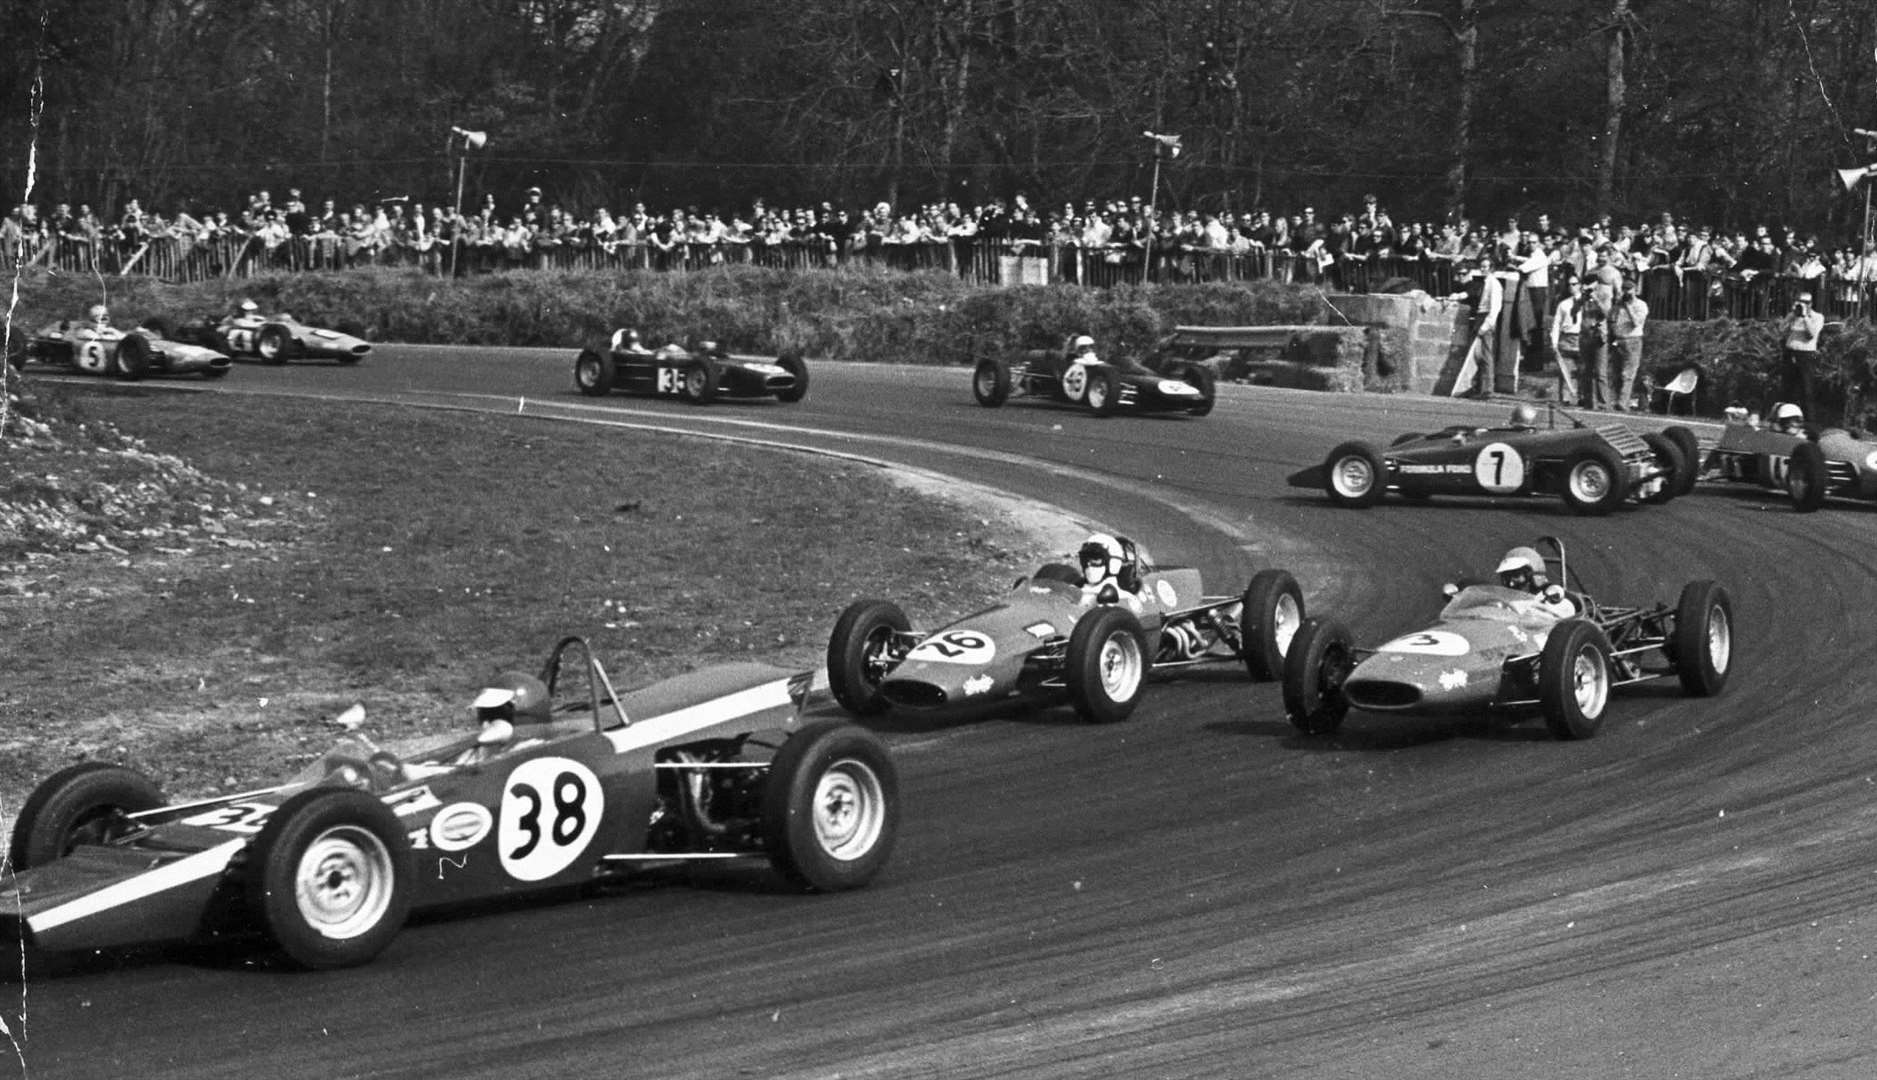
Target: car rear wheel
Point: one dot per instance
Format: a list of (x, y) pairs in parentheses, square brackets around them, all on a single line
[(793, 363), (1676, 468), (1690, 447), (990, 383), (1268, 622), (86, 803), (830, 807), (1574, 679), (1322, 654), (593, 373), (1105, 667), (1104, 391), (1703, 638), (1593, 481), (700, 381), (331, 877), (1807, 478), (1354, 475), (860, 654), (133, 357), (1202, 379)]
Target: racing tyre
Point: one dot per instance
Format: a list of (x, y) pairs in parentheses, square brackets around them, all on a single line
[(1268, 622), (990, 384), (593, 373), (830, 807), (133, 357), (700, 381), (1593, 481), (793, 363), (1703, 638), (86, 803), (1678, 472), (1354, 475), (860, 653), (1104, 391), (330, 877), (1321, 656), (1807, 477), (1690, 447), (1105, 667), (1208, 385), (1574, 679), (271, 345)]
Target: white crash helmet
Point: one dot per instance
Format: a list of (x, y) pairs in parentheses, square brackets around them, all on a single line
[(249, 307), (1522, 568), (1102, 559), (1082, 343), (1787, 413), (100, 317)]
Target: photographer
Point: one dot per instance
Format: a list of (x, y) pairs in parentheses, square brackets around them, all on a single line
[(1802, 328)]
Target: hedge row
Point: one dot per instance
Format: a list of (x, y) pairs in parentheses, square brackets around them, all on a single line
[(891, 317)]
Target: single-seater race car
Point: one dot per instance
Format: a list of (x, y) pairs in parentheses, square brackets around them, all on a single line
[(1083, 380), (1809, 465), (1559, 652), (697, 377), (1592, 468), (95, 347), (1055, 636), (566, 783), (272, 339)]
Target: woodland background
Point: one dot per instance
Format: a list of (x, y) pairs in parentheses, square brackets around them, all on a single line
[(1729, 112)]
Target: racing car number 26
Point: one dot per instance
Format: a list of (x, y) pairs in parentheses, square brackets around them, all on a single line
[(955, 647), (551, 809)]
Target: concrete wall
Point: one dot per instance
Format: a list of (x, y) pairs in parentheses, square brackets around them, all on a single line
[(1422, 340)]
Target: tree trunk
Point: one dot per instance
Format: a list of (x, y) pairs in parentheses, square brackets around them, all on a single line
[(1615, 91), (1466, 34)]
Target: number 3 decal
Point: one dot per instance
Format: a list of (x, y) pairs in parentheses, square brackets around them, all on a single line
[(551, 809)]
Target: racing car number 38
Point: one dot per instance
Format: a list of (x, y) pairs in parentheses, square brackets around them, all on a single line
[(551, 808)]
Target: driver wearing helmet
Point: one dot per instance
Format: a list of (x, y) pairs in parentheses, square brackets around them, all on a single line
[(1523, 569), (1524, 417), (97, 323), (628, 341), (513, 711), (247, 313), (1111, 571), (1788, 418)]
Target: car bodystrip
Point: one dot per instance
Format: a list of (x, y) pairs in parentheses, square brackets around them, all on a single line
[(657, 729), (183, 871)]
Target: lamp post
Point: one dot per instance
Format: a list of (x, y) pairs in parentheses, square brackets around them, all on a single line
[(1165, 146), (472, 140)]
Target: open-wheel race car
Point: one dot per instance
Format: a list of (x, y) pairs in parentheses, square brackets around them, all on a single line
[(1809, 463), (565, 783), (1592, 468), (1057, 634), (94, 347), (698, 377), (271, 339), (1557, 651), (1075, 376)]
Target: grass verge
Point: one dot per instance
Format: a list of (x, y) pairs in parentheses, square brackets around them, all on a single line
[(397, 557)]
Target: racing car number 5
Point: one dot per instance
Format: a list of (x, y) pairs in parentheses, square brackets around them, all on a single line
[(1499, 469), (551, 809)]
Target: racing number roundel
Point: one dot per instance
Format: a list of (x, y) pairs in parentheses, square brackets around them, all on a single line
[(955, 647), (551, 809), (1075, 381), (90, 356), (1499, 469)]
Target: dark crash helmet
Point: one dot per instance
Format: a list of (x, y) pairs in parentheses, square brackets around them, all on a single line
[(514, 696)]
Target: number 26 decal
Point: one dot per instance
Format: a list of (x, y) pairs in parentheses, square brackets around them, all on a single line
[(956, 647)]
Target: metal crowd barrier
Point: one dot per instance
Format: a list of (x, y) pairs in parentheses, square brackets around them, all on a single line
[(1672, 294)]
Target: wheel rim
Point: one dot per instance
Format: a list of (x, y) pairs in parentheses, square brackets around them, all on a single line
[(1352, 477), (268, 347), (849, 810), (987, 382), (343, 884), (875, 654), (1590, 481), (1097, 394), (1797, 485), (1720, 640), (1285, 619), (1121, 666), (588, 373), (1589, 682), (694, 382)]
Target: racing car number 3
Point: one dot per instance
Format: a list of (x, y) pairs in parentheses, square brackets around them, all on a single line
[(551, 809), (1499, 469)]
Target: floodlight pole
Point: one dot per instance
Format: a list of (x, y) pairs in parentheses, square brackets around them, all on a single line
[(1162, 144), (471, 140)]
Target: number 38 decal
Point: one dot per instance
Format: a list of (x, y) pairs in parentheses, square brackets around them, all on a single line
[(551, 809)]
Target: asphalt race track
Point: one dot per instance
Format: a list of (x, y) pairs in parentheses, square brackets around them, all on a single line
[(1200, 891)]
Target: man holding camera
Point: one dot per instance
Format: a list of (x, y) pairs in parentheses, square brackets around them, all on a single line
[(1803, 326)]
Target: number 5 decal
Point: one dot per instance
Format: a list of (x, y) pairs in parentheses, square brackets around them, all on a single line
[(1499, 469), (551, 809), (90, 355)]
